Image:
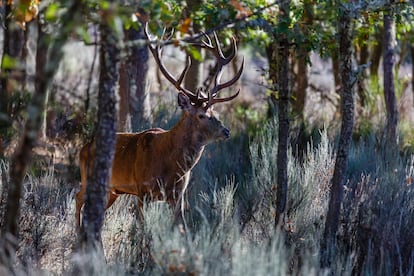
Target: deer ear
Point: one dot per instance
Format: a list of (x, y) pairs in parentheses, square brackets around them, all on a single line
[(183, 101)]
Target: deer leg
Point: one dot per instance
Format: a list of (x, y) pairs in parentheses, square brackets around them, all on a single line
[(111, 199), (79, 199), (80, 196)]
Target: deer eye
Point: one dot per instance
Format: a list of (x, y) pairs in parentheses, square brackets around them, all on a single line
[(201, 116)]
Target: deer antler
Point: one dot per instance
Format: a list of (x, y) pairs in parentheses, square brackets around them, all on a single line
[(157, 53), (197, 98), (221, 61)]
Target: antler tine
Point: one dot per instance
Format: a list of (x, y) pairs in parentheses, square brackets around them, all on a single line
[(216, 49), (213, 93), (203, 44), (219, 86), (219, 53), (212, 100), (169, 35), (184, 73), (221, 61), (157, 53), (208, 44)]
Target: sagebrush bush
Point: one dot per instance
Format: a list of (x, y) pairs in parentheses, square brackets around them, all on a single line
[(379, 214), (228, 226)]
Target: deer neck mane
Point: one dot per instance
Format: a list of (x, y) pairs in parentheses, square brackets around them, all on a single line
[(186, 139)]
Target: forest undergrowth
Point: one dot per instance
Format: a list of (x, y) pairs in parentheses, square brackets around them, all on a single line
[(228, 225)]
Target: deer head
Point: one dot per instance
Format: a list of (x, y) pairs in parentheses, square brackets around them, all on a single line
[(197, 105)]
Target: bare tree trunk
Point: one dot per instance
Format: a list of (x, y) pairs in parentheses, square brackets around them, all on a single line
[(362, 57), (271, 52), (298, 105), (412, 68), (91, 73), (193, 77), (134, 96), (283, 114), (389, 89), (328, 242), (124, 97), (302, 63), (99, 175), (376, 54), (139, 105), (12, 76), (336, 71), (23, 153), (41, 57)]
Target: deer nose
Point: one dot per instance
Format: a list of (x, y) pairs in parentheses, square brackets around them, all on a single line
[(226, 133)]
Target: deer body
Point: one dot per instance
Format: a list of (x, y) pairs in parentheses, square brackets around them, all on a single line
[(156, 163)]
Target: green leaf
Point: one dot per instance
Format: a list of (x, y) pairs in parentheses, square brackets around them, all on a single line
[(195, 53), (51, 13), (8, 62), (105, 5), (83, 33)]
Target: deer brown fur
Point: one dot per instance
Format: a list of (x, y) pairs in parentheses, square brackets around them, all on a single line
[(156, 163)]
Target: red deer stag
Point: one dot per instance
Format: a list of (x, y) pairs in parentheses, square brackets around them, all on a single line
[(157, 163)]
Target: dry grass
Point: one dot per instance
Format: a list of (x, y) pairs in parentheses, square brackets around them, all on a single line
[(229, 227)]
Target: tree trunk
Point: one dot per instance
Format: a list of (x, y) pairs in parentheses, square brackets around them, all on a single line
[(283, 115), (299, 96), (41, 57), (99, 175), (362, 56), (193, 77), (12, 76), (139, 105), (134, 97), (302, 63), (389, 89), (23, 153), (376, 54), (336, 72), (328, 242), (412, 68), (124, 96), (271, 52)]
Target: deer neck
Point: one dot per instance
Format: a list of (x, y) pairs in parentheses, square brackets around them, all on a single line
[(187, 141)]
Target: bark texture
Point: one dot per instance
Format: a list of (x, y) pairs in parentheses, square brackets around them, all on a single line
[(99, 174), (412, 69), (336, 71), (389, 88), (23, 154), (124, 97), (376, 53), (328, 243), (10, 78), (134, 97), (299, 95), (283, 115), (139, 105), (194, 75), (362, 58), (41, 57)]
